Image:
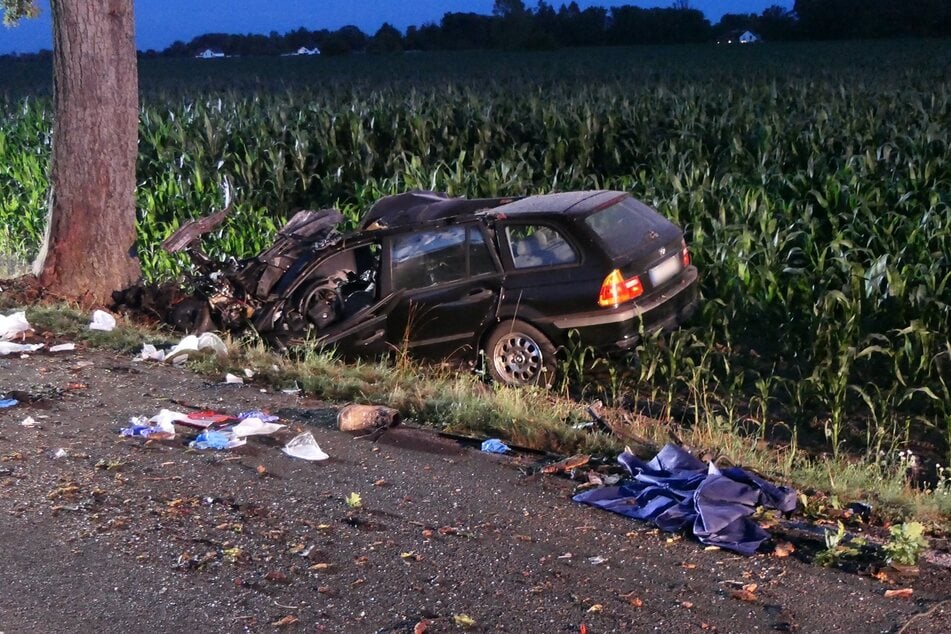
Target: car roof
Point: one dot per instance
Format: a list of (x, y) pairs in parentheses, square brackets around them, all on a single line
[(580, 202), (420, 207)]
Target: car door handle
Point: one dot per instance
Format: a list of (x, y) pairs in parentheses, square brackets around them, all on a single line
[(475, 295)]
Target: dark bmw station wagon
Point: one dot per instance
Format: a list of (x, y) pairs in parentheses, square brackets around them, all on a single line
[(507, 277)]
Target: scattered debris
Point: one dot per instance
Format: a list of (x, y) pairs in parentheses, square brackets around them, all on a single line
[(568, 464), (494, 445), (305, 447), (8, 402), (12, 325), (191, 344), (372, 420), (903, 593), (676, 491), (7, 347), (101, 320), (233, 379), (217, 440), (155, 427), (63, 347), (253, 426), (29, 422)]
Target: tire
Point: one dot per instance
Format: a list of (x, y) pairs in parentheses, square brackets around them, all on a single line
[(518, 354)]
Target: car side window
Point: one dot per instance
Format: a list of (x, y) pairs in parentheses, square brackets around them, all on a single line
[(430, 257), (480, 261), (538, 245)]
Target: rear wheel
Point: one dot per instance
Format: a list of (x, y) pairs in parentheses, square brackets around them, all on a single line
[(519, 354)]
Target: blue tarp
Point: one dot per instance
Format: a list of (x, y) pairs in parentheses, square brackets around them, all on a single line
[(676, 492)]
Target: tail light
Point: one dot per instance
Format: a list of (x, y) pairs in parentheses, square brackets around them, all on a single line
[(684, 254), (617, 290)]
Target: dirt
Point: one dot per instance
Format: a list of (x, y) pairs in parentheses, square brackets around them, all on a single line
[(125, 534)]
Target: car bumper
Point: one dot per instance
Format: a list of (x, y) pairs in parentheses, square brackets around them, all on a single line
[(621, 327)]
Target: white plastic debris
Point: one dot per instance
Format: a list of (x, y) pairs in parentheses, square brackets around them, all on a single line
[(253, 426), (7, 347), (305, 447), (211, 341), (151, 353), (191, 344), (233, 378), (101, 320), (248, 373), (63, 347), (29, 422), (60, 453), (13, 324)]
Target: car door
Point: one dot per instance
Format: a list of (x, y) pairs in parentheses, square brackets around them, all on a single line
[(450, 280)]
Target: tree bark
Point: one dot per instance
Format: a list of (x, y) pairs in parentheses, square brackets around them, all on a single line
[(88, 251)]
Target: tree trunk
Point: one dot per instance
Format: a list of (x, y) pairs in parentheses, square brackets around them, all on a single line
[(88, 251)]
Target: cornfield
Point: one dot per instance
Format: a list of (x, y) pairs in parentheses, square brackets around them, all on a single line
[(813, 180)]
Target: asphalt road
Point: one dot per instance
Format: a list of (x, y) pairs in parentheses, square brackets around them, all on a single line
[(123, 535)]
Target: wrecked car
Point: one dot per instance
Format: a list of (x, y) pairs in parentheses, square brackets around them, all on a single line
[(507, 278)]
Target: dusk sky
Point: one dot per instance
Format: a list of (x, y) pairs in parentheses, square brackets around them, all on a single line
[(161, 22)]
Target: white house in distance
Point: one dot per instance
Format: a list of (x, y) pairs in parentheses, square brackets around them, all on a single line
[(303, 50), (209, 54), (748, 37), (739, 37)]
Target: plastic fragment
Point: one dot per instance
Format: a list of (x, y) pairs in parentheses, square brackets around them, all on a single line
[(101, 320), (263, 416), (155, 427), (254, 427), (8, 402), (216, 440), (305, 447), (13, 324), (29, 421), (63, 347), (494, 445), (233, 379), (7, 347)]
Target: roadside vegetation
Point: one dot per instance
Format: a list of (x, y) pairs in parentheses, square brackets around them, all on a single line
[(813, 181)]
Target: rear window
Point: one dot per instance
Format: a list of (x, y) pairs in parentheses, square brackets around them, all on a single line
[(623, 225)]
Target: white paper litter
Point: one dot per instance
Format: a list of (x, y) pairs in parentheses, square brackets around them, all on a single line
[(233, 378), (254, 427), (13, 324), (7, 347), (101, 320), (249, 373), (63, 347), (29, 422), (304, 446)]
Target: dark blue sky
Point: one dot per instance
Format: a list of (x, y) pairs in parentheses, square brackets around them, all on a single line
[(160, 22)]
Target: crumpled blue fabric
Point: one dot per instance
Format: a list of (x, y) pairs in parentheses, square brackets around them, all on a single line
[(676, 492), (494, 445)]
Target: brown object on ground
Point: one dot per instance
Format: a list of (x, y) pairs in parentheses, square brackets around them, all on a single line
[(572, 462), (87, 253), (369, 420), (184, 541)]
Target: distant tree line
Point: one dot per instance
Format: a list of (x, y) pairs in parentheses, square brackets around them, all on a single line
[(513, 25)]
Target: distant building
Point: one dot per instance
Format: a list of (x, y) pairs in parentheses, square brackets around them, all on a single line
[(739, 37), (303, 50), (209, 54)]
